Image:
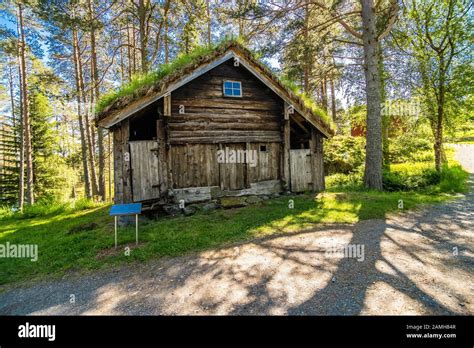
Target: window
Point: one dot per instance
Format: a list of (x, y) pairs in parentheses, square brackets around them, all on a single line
[(232, 89), (263, 148)]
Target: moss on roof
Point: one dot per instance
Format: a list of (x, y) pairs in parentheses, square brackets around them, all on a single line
[(158, 80)]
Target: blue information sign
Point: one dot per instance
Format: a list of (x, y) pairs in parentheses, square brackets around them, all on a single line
[(126, 209)]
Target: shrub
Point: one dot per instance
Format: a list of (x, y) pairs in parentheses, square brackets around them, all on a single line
[(410, 178), (453, 179), (344, 154), (350, 182), (410, 148), (6, 211), (47, 207), (42, 208)]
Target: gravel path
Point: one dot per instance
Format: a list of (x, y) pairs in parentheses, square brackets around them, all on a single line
[(415, 263)]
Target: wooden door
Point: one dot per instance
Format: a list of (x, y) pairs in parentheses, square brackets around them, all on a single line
[(145, 170), (232, 175), (300, 170)]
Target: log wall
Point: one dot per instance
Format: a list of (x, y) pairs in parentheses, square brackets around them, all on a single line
[(209, 117)]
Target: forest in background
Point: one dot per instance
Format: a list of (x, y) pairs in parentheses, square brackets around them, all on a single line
[(399, 73)]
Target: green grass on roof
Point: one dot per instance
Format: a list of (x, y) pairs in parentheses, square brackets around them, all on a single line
[(309, 103)]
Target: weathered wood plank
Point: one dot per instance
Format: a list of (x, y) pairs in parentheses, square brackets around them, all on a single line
[(285, 155), (317, 161), (226, 139), (233, 174), (167, 105), (126, 172), (118, 165), (191, 194), (300, 169), (225, 126), (194, 165), (145, 170), (163, 167), (258, 188)]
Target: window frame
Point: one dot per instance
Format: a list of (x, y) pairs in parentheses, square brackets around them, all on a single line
[(232, 88)]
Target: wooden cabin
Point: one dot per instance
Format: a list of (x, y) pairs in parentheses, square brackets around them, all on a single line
[(222, 125)]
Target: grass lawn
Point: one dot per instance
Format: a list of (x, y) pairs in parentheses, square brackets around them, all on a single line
[(64, 247)]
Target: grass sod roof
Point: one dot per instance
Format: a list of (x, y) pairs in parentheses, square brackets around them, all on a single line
[(157, 81)]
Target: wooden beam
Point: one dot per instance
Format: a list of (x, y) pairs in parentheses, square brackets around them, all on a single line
[(317, 161), (286, 155), (162, 158), (126, 170), (247, 166), (287, 110), (300, 125), (167, 105)]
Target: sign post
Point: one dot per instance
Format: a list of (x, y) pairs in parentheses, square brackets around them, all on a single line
[(123, 210)]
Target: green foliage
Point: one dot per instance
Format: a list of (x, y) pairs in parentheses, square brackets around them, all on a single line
[(420, 176), (9, 162), (356, 116), (438, 37), (412, 176), (408, 181), (453, 179), (47, 207), (189, 38), (345, 182), (344, 154), (410, 147)]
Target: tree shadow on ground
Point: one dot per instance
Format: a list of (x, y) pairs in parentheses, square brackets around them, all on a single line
[(283, 274)]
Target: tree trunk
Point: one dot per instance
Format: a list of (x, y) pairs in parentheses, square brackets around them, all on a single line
[(21, 146), (85, 163), (373, 159), (167, 50), (209, 23), (96, 94), (109, 155), (142, 12), (307, 55), (87, 126), (28, 153), (438, 145), (333, 101), (385, 116), (129, 52), (324, 94)]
